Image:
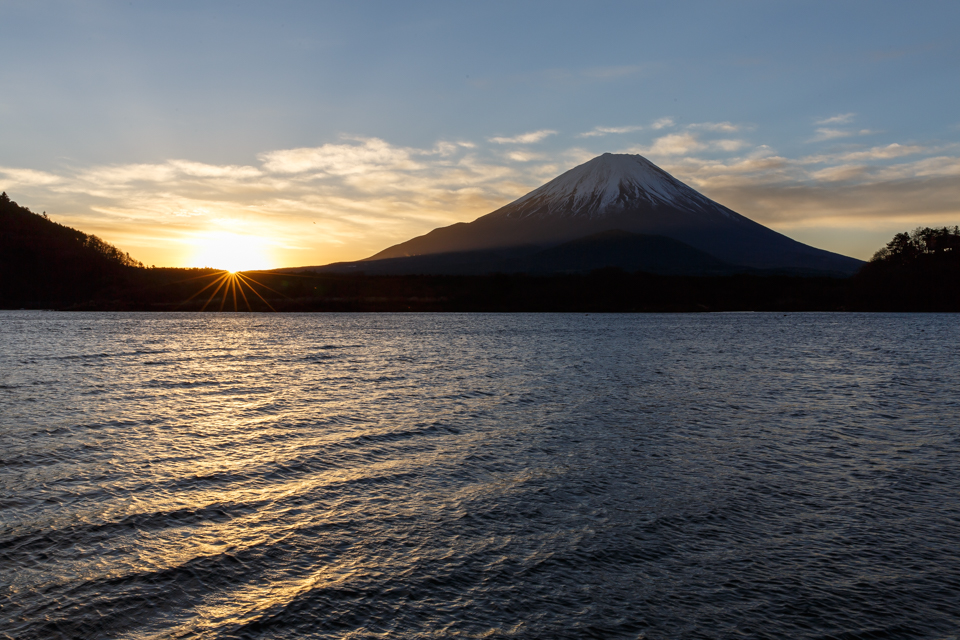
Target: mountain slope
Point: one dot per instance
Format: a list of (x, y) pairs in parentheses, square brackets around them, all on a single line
[(629, 193), (621, 249), (44, 263)]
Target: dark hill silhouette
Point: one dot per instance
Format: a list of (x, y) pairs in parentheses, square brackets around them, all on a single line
[(44, 263)]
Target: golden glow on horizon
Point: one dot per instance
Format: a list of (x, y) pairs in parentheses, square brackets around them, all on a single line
[(230, 251)]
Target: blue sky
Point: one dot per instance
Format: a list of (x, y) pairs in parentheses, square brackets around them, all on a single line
[(308, 132)]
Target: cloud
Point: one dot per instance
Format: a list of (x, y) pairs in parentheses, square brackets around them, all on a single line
[(833, 134), (729, 145), (525, 156), (26, 177), (128, 173), (870, 174), (339, 159), (692, 139), (672, 145), (830, 134), (445, 148), (760, 168), (876, 153), (725, 127), (840, 119), (201, 170), (943, 165), (602, 131), (844, 172), (662, 123), (524, 138)]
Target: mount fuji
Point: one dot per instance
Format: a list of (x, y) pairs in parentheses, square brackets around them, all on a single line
[(614, 210)]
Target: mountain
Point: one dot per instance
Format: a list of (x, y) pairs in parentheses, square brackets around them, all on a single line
[(627, 193), (624, 250)]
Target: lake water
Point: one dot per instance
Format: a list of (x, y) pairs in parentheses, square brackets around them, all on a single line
[(479, 476)]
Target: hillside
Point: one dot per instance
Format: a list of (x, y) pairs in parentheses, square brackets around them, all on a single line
[(44, 263)]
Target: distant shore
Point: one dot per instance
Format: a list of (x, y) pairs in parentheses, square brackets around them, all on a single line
[(606, 290)]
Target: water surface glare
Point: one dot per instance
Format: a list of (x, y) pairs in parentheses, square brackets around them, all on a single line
[(479, 476)]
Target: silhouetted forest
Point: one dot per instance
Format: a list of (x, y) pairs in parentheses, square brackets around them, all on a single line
[(917, 271), (46, 265)]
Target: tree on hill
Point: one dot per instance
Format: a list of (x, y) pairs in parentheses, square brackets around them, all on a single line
[(44, 263), (910, 248), (20, 224), (916, 271)]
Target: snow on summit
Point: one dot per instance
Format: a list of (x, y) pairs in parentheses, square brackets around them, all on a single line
[(606, 184)]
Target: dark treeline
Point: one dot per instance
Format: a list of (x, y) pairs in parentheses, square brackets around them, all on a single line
[(918, 271), (44, 264), (603, 290), (47, 265)]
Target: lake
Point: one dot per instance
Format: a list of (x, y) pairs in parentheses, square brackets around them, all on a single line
[(479, 475)]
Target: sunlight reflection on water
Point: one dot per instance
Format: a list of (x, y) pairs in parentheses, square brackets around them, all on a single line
[(556, 475)]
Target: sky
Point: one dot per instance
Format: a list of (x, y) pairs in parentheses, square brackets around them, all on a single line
[(257, 135)]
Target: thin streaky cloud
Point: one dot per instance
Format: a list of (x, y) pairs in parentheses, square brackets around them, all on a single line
[(202, 170), (843, 118), (887, 152), (673, 144), (526, 156), (339, 159), (724, 127), (26, 177), (602, 131), (524, 138), (662, 123), (834, 134), (125, 174), (728, 145), (677, 144), (842, 173), (830, 134)]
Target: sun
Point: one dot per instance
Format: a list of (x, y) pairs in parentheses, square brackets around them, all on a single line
[(231, 252)]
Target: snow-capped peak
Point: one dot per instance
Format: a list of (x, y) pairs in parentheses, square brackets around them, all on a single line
[(605, 184)]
